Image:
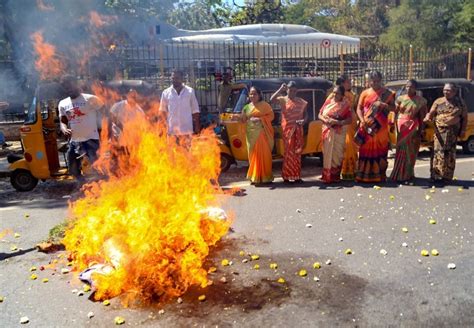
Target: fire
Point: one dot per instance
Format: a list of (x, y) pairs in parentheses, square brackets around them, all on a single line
[(47, 63), (43, 6), (99, 21), (149, 221)]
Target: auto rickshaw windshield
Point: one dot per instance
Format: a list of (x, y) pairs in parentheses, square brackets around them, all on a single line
[(31, 115), (241, 101)]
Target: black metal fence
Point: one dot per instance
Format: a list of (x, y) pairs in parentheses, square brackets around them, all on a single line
[(204, 62)]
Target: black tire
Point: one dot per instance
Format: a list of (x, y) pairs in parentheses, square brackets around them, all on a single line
[(22, 180), (226, 162), (468, 146)]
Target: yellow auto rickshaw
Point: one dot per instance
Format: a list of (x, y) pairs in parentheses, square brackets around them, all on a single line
[(432, 89), (39, 136), (233, 145), (40, 158)]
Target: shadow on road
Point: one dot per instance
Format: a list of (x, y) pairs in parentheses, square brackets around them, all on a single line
[(4, 256), (242, 288)]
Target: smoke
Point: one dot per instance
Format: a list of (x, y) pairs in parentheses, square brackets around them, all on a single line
[(80, 32)]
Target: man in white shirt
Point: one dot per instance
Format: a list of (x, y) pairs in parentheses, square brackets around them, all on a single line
[(180, 106), (125, 111), (80, 115)]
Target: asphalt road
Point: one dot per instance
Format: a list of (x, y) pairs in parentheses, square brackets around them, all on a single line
[(293, 226)]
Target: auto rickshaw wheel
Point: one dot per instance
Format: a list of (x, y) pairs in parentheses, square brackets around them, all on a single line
[(226, 162), (23, 180), (468, 146)]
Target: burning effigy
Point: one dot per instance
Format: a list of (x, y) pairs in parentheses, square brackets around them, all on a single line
[(150, 222)]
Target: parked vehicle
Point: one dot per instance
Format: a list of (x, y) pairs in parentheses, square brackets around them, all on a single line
[(432, 89), (233, 144), (39, 136)]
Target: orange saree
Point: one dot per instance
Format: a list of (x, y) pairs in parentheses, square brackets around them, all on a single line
[(259, 142)]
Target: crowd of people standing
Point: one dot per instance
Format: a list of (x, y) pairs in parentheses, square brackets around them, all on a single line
[(355, 134)]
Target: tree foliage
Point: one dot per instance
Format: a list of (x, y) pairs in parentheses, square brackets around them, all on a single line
[(430, 24), (258, 12), (200, 14)]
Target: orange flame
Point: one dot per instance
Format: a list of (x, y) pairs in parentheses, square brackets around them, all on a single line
[(149, 220), (98, 21), (44, 7), (47, 63)]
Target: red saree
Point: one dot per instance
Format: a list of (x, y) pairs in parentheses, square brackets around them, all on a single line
[(292, 115), (373, 140)]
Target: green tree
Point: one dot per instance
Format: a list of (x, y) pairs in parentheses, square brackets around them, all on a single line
[(258, 12), (142, 8), (424, 24), (464, 26), (367, 18), (309, 12), (200, 14)]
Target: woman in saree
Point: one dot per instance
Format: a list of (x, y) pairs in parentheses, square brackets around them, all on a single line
[(258, 115), (293, 112), (372, 135), (450, 121), (349, 162), (336, 115), (410, 110)]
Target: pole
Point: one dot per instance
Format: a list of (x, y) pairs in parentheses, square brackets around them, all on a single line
[(259, 68), (469, 63), (162, 68), (410, 64), (341, 59)]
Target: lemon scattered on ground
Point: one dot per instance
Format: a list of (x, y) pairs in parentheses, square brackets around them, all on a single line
[(273, 266), (405, 229), (255, 257), (302, 273), (119, 320), (225, 262), (432, 221), (106, 303), (45, 280), (256, 266), (202, 298), (317, 265), (348, 251), (434, 252), (281, 280), (424, 252), (33, 277)]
